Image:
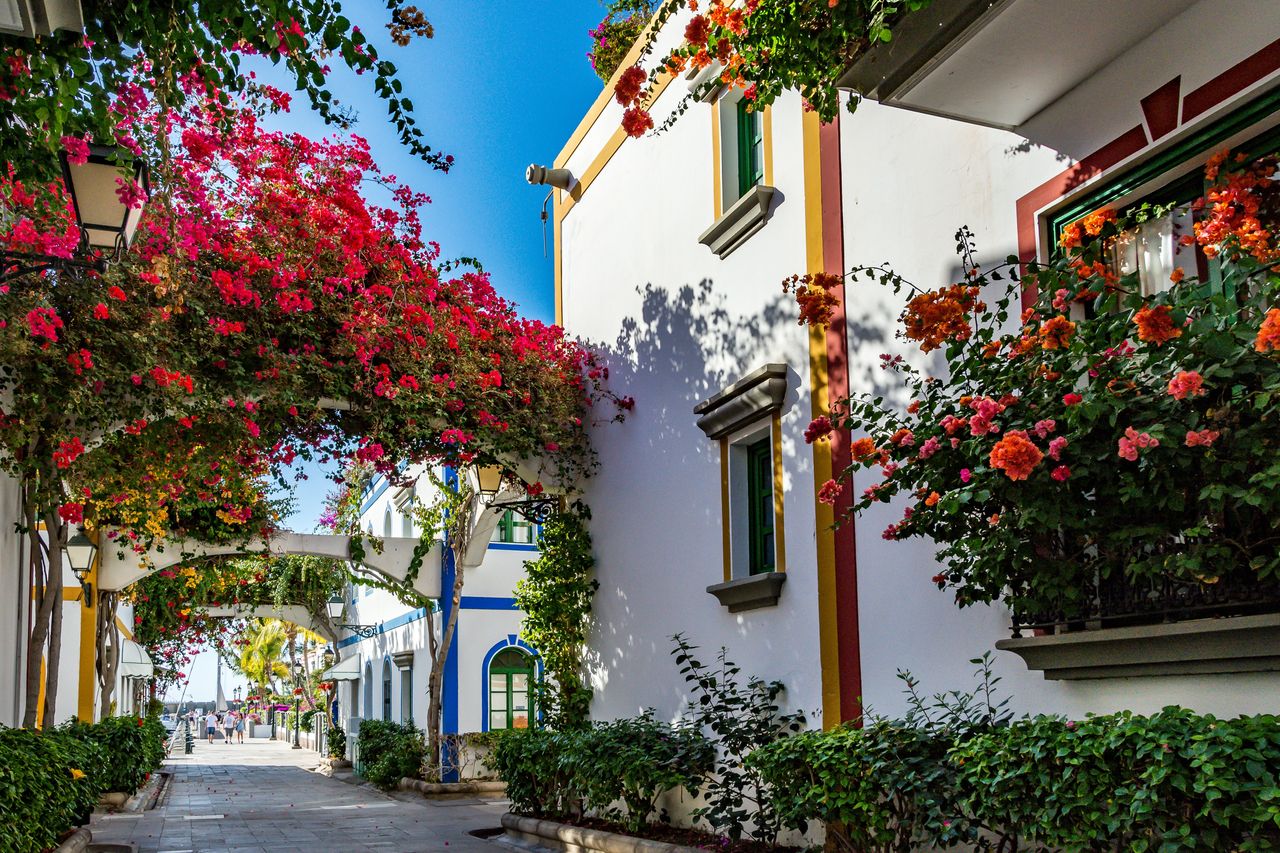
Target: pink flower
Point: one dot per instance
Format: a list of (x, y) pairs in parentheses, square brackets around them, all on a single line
[(819, 428), (931, 446), (965, 475), (830, 492), (1186, 384), (1203, 438), (77, 150), (130, 193), (1044, 427), (1056, 446), (1133, 441)]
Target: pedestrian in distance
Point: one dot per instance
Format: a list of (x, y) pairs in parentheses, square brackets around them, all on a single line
[(229, 725), (239, 728), (210, 725)]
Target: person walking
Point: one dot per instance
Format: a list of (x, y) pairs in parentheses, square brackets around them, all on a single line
[(239, 728), (210, 725), (229, 725)]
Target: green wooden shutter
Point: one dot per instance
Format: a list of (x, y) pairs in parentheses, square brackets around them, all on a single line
[(760, 507), (750, 148)]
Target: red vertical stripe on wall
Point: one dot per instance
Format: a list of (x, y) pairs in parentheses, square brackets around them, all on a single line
[(846, 551)]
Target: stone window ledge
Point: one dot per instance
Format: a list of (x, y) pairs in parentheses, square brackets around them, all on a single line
[(747, 216), (750, 593), (1196, 647), (754, 396)]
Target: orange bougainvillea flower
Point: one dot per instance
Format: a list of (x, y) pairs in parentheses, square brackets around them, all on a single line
[(1094, 222), (1269, 334), (1016, 455), (1155, 325), (1056, 332), (1070, 236), (933, 499), (937, 316), (863, 448)]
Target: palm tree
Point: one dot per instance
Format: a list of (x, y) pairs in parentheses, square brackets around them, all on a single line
[(265, 640)]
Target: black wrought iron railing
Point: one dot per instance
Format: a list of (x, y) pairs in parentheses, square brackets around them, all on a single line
[(1121, 601)]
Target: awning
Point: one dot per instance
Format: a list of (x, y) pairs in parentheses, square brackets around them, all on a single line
[(134, 661), (347, 669)]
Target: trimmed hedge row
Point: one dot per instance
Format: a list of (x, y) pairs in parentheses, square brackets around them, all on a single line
[(1175, 780), (390, 752), (616, 770), (51, 780)]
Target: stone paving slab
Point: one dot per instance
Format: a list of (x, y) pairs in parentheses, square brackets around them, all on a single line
[(262, 797)]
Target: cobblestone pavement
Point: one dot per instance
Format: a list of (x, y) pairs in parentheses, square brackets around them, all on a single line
[(263, 797)]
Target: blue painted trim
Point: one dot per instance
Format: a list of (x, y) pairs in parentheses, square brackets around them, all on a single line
[(377, 493), (389, 625), (488, 602), (511, 546), (511, 640)]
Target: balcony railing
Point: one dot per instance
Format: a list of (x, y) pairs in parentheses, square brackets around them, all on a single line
[(1116, 602)]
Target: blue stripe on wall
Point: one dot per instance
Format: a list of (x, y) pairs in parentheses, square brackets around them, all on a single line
[(511, 546), (449, 685), (488, 602)]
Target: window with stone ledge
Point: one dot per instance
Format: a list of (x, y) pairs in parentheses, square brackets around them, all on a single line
[(745, 419)]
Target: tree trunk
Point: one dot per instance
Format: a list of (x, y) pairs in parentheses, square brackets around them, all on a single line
[(459, 538), (42, 607), (56, 530), (108, 649)]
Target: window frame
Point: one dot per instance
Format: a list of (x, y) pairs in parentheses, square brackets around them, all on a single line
[(386, 690), (508, 673), (749, 131), (761, 538)]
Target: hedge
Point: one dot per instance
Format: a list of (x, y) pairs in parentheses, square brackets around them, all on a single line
[(51, 780), (1175, 780), (390, 752), (133, 747), (617, 769)]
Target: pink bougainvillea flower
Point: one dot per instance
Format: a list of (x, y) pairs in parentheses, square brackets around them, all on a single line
[(1186, 384), (818, 429), (1202, 438), (1132, 441), (830, 492)]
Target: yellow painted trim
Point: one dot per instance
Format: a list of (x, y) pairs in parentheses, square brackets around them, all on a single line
[(724, 508), (717, 178), (88, 681), (556, 231), (766, 122), (824, 518), (779, 527), (605, 97), (128, 635), (40, 698)]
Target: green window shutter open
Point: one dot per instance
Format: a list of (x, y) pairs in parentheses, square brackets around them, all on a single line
[(750, 148), (760, 508)]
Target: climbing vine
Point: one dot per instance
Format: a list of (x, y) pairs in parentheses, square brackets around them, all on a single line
[(555, 595)]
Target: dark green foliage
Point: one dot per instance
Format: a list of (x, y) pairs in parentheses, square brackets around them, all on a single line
[(741, 718), (132, 748), (615, 770), (958, 771), (40, 796), (337, 742), (555, 595), (390, 752)]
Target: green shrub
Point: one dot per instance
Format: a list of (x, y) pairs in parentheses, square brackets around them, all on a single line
[(529, 762), (40, 796), (957, 770), (132, 747), (337, 742), (1176, 780), (390, 752)]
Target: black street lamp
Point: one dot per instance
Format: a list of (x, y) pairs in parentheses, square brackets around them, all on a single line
[(106, 222), (297, 699), (488, 482), (337, 607), (80, 551)]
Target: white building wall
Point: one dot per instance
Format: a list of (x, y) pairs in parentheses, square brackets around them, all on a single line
[(15, 602), (909, 181)]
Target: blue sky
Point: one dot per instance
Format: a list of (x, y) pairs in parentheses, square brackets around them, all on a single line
[(502, 85)]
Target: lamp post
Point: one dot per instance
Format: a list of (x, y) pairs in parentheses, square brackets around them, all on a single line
[(488, 481), (236, 693), (80, 551), (107, 224), (297, 698), (337, 607)]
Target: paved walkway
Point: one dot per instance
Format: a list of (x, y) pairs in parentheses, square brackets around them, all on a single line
[(262, 797)]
